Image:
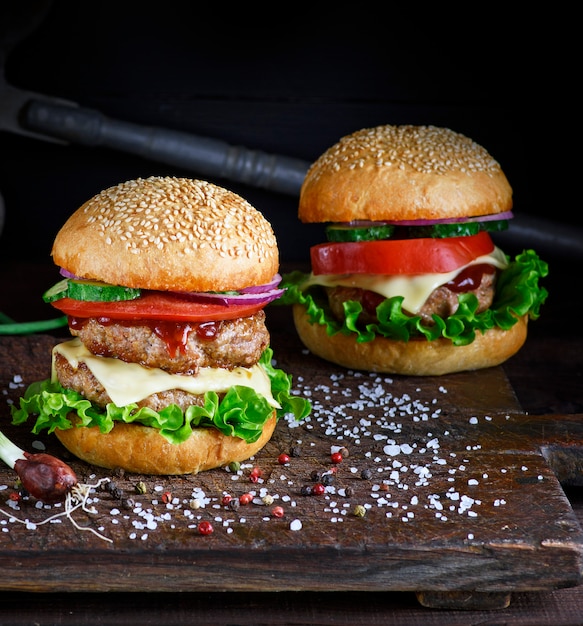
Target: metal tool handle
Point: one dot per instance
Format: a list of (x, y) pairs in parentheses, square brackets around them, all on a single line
[(208, 157), (217, 158)]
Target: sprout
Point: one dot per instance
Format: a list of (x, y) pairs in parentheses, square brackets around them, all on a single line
[(44, 477), (9, 327)]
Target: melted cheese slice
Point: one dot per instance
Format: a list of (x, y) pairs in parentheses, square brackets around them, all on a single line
[(126, 383), (415, 289)]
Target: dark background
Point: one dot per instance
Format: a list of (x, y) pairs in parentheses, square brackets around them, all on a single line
[(285, 79)]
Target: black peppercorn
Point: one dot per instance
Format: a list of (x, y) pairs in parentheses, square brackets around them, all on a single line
[(306, 490), (366, 474), (114, 490), (327, 479), (233, 504)]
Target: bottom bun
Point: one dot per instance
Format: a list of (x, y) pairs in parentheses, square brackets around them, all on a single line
[(143, 450), (412, 358)]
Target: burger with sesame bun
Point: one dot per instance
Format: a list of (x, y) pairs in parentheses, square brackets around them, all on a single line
[(165, 281), (410, 281)]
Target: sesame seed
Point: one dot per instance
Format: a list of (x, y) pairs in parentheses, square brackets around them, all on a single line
[(425, 149), (185, 210)]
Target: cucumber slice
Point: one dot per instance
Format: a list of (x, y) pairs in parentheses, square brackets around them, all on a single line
[(339, 233), (459, 229), (95, 291), (57, 291)]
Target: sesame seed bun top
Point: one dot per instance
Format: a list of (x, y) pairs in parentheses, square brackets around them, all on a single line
[(168, 234), (403, 173)]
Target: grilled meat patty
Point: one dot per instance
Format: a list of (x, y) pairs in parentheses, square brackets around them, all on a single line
[(82, 380), (178, 348), (442, 301)]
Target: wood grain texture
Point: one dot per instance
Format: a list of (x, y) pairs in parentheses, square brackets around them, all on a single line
[(468, 503)]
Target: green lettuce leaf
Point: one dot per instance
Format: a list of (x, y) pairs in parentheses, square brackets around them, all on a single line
[(241, 412), (518, 293)]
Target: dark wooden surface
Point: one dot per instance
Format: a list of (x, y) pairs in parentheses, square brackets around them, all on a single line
[(525, 554), (467, 502)]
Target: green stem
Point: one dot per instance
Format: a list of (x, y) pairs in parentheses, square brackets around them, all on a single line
[(9, 452), (8, 327)]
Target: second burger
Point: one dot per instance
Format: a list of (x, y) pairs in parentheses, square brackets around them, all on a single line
[(410, 281)]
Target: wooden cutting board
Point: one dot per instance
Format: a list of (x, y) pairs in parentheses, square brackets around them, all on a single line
[(460, 489)]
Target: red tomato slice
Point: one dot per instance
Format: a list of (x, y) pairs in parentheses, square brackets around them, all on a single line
[(154, 305), (399, 256)]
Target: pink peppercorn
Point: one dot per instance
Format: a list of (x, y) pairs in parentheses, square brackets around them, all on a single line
[(205, 528), (277, 511), (245, 498), (336, 457), (283, 458)]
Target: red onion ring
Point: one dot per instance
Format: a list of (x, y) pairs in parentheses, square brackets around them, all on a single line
[(68, 274), (506, 215), (241, 298), (272, 284)]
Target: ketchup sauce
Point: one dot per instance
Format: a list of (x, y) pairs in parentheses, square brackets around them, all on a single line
[(173, 334), (470, 278), (370, 300)]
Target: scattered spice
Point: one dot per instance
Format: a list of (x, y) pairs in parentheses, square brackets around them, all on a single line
[(205, 528), (318, 489), (327, 479), (234, 504), (277, 511), (387, 451), (336, 457), (113, 489), (359, 510)]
